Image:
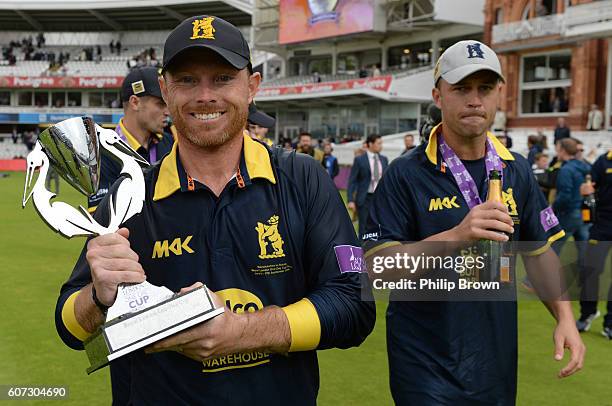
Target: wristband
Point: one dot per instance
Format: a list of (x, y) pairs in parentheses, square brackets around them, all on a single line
[(103, 308)]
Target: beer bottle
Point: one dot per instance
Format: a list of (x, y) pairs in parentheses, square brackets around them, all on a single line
[(499, 264), (588, 203), (495, 187)]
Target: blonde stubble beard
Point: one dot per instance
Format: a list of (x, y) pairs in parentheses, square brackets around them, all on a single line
[(234, 130)]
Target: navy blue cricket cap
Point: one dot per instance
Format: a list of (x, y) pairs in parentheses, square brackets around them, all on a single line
[(141, 82), (208, 32), (260, 118)]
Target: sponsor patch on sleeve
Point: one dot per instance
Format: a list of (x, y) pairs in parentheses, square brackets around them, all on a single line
[(372, 236), (548, 218), (350, 258)]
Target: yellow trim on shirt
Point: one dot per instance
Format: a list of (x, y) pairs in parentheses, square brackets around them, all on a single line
[(432, 146), (257, 160), (546, 246), (377, 248), (129, 137), (304, 324), (256, 157), (69, 318), (167, 180)]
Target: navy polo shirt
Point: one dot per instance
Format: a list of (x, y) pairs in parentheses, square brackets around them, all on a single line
[(601, 172), (270, 238), (452, 353)]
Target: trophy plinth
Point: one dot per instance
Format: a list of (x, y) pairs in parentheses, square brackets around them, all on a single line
[(134, 331), (142, 313)]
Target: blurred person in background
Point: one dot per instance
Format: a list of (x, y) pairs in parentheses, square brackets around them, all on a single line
[(598, 248), (366, 172), (562, 130), (580, 154), (434, 117), (330, 162), (536, 144), (568, 199), (305, 147), (259, 123), (408, 143), (362, 149), (595, 119), (540, 171), (499, 122)]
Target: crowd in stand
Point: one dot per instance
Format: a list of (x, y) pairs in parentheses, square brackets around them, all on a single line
[(115, 47), (148, 57), (27, 48)]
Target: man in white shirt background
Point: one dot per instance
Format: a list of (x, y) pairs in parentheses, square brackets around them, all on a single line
[(595, 119)]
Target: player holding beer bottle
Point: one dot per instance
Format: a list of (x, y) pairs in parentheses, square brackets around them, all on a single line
[(460, 352)]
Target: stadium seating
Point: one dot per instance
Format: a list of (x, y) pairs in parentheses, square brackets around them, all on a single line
[(8, 150), (306, 79), (24, 68), (89, 68)]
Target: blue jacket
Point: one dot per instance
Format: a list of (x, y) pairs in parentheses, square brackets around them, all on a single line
[(360, 178), (533, 151), (571, 176)]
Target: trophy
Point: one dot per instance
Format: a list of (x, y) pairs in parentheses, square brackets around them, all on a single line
[(142, 313)]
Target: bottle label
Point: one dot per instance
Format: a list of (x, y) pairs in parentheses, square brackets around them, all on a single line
[(504, 269), (586, 215)]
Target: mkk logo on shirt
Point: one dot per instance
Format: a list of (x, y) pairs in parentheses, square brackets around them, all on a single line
[(177, 246), (440, 203)]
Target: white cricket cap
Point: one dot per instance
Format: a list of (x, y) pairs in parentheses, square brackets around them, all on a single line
[(464, 58)]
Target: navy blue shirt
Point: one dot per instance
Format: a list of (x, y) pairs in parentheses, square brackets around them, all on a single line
[(452, 353), (270, 238), (601, 172)]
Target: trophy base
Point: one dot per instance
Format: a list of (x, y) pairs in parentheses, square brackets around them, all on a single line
[(133, 331)]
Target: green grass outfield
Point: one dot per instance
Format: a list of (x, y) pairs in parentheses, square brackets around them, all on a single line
[(34, 262)]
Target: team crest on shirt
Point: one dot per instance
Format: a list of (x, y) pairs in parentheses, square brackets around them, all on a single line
[(270, 240), (509, 201), (271, 250)]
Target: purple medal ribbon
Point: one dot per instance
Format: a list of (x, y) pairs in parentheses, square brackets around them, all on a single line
[(464, 180), (152, 152)]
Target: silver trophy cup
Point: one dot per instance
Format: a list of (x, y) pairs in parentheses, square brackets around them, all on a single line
[(142, 313)]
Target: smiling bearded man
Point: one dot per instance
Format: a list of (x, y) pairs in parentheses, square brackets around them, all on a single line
[(264, 229)]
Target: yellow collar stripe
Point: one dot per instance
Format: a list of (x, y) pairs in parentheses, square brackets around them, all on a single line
[(129, 137), (168, 180), (609, 156), (432, 146), (257, 160), (500, 149), (255, 155)]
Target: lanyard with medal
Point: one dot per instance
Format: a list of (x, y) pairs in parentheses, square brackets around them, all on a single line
[(497, 263)]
